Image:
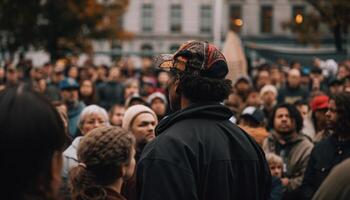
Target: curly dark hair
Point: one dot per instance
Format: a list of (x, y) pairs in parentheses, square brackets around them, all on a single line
[(198, 88), (293, 113), (342, 102), (103, 152)]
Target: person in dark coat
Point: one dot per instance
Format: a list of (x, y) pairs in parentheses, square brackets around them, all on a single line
[(337, 185), (199, 153), (332, 150)]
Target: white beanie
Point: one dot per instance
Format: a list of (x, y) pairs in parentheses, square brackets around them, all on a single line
[(157, 95), (268, 88), (132, 112)]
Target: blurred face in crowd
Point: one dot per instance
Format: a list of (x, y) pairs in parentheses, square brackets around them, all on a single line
[(12, 76), (146, 63), (317, 76), (331, 115), (263, 79), (342, 72), (234, 102), (295, 65), (304, 110), (101, 73), (86, 88), (47, 70), (336, 88), (117, 115), (132, 88), (275, 76), (70, 96), (143, 127), (268, 98), (283, 123), (114, 74), (294, 78), (91, 122), (346, 85), (253, 99), (242, 88), (73, 72), (41, 84), (158, 106), (57, 76), (163, 78), (276, 169), (321, 118)]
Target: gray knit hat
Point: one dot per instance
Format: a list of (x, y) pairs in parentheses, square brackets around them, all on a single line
[(132, 112)]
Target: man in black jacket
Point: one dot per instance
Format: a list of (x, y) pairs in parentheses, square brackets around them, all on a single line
[(199, 153), (331, 151)]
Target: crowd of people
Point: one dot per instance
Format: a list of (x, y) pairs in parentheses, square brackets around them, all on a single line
[(175, 128)]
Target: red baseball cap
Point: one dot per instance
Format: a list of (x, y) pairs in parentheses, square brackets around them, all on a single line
[(319, 102)]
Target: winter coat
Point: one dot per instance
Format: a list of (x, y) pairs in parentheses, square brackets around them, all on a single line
[(73, 118), (200, 154), (295, 154), (337, 185), (70, 157), (326, 154)]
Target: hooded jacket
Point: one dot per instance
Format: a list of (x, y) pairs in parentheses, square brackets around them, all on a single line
[(295, 152), (200, 154)]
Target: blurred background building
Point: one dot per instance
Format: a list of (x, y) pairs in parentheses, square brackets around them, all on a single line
[(161, 26)]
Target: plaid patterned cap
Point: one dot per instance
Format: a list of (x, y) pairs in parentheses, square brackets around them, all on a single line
[(195, 56)]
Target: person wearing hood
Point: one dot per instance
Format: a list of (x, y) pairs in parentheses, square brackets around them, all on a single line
[(198, 152), (287, 142)]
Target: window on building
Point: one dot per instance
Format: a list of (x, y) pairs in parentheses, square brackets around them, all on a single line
[(147, 50), (174, 47), (147, 17), (175, 18), (236, 21), (206, 19), (116, 51), (266, 19), (297, 16)]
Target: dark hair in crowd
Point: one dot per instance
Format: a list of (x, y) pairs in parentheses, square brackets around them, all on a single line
[(342, 102), (293, 113), (32, 133), (202, 89), (101, 154)]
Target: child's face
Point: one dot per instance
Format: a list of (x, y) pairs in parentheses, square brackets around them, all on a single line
[(276, 170)]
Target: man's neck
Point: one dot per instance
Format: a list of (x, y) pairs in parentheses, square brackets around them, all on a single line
[(284, 138), (184, 102), (117, 185)]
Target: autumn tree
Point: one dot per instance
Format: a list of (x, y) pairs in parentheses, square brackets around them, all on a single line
[(59, 26), (334, 13)]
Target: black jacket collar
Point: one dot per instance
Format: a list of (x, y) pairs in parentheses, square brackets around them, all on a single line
[(209, 110)]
